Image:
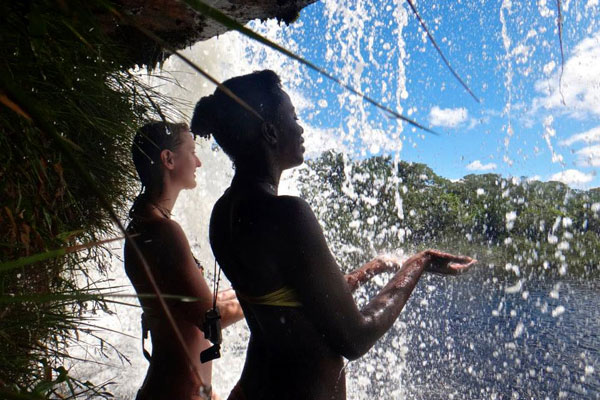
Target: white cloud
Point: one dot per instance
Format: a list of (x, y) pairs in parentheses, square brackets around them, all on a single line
[(580, 82), (593, 135), (447, 117), (589, 156), (478, 166), (573, 177)]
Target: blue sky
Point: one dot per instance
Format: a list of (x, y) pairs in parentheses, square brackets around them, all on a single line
[(509, 54)]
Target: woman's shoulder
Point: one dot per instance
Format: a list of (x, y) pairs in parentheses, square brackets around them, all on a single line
[(162, 229), (295, 216), (292, 199), (163, 240), (171, 234), (292, 206)]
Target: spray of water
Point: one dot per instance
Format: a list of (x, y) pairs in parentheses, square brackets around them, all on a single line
[(432, 352)]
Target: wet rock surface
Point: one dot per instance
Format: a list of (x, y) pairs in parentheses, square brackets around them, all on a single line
[(181, 26)]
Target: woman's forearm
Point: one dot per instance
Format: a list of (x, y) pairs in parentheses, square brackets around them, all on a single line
[(231, 312), (381, 312), (226, 294), (369, 270)]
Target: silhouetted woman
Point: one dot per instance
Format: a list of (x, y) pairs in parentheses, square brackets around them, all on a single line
[(298, 304), (165, 159)]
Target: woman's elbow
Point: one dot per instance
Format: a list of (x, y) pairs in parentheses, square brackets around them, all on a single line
[(353, 351), (351, 348)]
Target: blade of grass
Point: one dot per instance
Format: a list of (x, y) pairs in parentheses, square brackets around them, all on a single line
[(23, 261), (437, 48), (103, 328), (50, 297), (230, 23), (79, 36), (10, 104)]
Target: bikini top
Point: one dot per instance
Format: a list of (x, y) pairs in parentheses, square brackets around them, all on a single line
[(282, 297), (150, 316)]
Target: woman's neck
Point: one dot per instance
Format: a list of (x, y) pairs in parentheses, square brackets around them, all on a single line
[(267, 172), (164, 200), (269, 182)]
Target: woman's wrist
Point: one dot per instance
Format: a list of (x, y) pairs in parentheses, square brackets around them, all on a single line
[(387, 263)]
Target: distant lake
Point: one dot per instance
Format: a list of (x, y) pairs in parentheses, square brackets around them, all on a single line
[(484, 335)]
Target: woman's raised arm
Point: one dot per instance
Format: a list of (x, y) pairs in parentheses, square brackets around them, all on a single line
[(374, 267), (325, 292)]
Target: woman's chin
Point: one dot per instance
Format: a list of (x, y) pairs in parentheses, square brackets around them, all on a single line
[(192, 185)]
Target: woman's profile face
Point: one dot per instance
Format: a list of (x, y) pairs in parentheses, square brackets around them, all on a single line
[(291, 141), (186, 162)]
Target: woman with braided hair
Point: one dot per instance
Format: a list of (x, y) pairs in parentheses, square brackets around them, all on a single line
[(296, 301), (165, 159)]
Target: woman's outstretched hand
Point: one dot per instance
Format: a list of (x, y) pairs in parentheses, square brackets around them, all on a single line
[(443, 263), (434, 260)]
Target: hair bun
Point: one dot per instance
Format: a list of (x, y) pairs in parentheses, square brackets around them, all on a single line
[(203, 121)]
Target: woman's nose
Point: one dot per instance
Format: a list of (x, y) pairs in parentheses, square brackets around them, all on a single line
[(198, 163)]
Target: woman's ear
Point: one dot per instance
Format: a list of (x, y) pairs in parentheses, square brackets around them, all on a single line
[(269, 133), (167, 159)]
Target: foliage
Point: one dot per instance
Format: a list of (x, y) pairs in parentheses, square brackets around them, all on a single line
[(57, 56), (377, 205)]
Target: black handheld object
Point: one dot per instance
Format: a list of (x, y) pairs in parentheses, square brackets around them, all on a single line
[(212, 332)]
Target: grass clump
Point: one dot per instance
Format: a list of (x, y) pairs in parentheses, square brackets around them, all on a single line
[(55, 55)]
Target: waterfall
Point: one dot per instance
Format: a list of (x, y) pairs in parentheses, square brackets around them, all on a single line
[(433, 351)]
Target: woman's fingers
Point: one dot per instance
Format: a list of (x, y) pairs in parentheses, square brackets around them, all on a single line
[(449, 256), (448, 264), (436, 261), (462, 266)]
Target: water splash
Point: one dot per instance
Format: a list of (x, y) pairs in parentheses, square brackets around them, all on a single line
[(434, 350)]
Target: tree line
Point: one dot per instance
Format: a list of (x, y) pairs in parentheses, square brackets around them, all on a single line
[(374, 205)]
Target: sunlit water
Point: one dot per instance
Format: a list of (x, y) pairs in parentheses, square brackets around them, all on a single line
[(470, 339), (478, 336)]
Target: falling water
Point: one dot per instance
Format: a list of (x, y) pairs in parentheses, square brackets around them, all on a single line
[(490, 334)]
